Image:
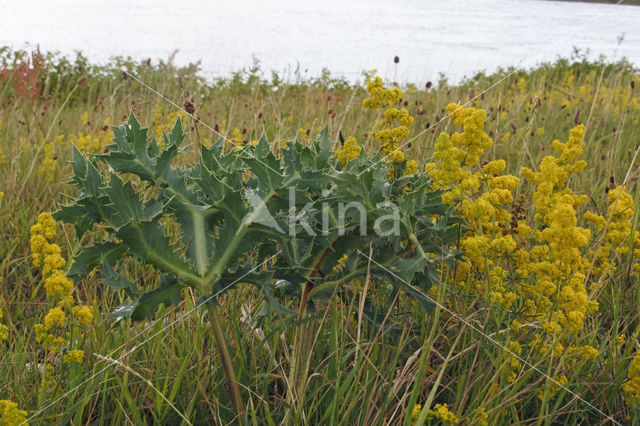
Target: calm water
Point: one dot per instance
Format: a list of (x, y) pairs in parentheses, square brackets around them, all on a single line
[(454, 37)]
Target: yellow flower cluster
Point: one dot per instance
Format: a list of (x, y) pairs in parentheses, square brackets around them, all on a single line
[(474, 139), (617, 225), (4, 331), (393, 126), (49, 166), (556, 263), (46, 255), (631, 387), (381, 97), (41, 233), (53, 334), (94, 143), (349, 151), (341, 262), (83, 313), (236, 138), (442, 412), (513, 365), (411, 168), (415, 412), (480, 417), (456, 154), (55, 318), (74, 356), (11, 415), (554, 387)]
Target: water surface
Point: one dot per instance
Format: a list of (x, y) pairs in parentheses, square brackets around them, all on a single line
[(453, 37)]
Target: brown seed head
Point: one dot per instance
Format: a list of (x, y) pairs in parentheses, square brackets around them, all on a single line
[(189, 107)]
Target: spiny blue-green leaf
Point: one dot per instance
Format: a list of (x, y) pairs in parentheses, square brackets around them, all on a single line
[(164, 161), (86, 211), (176, 135), (167, 293), (267, 172), (210, 185), (94, 256), (323, 150), (122, 195), (196, 223), (137, 137), (79, 166), (123, 162), (117, 281), (153, 149), (148, 242), (262, 149)]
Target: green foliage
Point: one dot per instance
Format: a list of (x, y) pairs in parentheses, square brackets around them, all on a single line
[(212, 224)]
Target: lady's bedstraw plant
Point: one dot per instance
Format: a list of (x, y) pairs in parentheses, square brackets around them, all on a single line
[(531, 259), (393, 127), (60, 333), (10, 414), (214, 224)]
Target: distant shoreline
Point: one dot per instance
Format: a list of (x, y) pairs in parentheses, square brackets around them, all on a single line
[(623, 3)]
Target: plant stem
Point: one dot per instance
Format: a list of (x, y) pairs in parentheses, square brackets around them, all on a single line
[(227, 365), (298, 372)]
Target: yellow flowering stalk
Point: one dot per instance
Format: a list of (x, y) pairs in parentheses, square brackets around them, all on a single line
[(4, 330), (442, 412), (341, 262), (456, 154), (349, 151), (394, 124), (49, 166), (513, 363), (94, 143), (55, 333), (617, 226), (236, 138), (74, 356), (84, 314), (411, 168), (11, 415), (55, 318), (553, 387), (559, 269), (631, 387), (481, 417), (415, 412)]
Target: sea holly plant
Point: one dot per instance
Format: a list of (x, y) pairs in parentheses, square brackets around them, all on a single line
[(295, 222)]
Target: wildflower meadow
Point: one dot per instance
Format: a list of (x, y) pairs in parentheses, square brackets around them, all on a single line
[(250, 250)]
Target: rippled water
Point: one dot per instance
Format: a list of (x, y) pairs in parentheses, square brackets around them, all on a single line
[(454, 37)]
